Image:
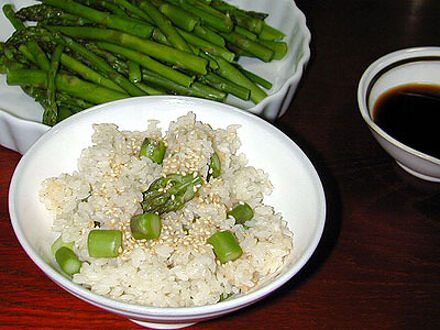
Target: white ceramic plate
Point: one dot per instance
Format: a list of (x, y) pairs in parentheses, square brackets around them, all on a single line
[(298, 193), (285, 74)]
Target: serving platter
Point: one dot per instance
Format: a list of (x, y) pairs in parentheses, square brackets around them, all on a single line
[(16, 107)]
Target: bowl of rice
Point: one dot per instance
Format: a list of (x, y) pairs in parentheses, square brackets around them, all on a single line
[(167, 210)]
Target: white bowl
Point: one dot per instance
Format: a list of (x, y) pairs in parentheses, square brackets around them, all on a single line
[(407, 66), (285, 74), (298, 193)]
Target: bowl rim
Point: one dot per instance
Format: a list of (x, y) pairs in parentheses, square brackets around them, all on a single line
[(161, 313), (373, 73)]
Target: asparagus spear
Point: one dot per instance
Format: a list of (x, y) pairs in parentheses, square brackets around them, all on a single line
[(270, 33), (51, 111), (228, 8), (64, 82), (279, 48), (263, 53), (88, 73), (134, 72), (252, 21), (209, 35), (49, 14), (206, 46), (165, 25), (218, 22), (159, 51), (225, 85), (31, 47), (170, 193), (63, 99), (133, 27), (149, 63), (106, 4), (196, 89), (230, 72), (180, 17), (150, 90), (131, 8)]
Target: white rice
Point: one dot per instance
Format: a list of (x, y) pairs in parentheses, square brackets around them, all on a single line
[(178, 269)]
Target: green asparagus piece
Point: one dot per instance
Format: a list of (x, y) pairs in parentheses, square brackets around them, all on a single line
[(133, 27), (206, 46), (252, 21), (159, 51), (149, 63), (50, 15), (64, 82), (165, 25), (196, 89), (229, 9), (270, 33), (31, 47), (218, 22), (105, 4), (131, 8), (146, 226), (65, 98), (104, 243), (180, 17), (246, 33), (8, 10), (160, 37), (250, 46), (215, 166), (279, 48), (11, 59), (68, 260), (209, 35), (225, 85), (50, 113), (62, 99), (226, 246), (241, 213), (230, 72), (150, 90), (170, 193), (153, 149), (27, 54), (64, 113), (134, 72), (88, 73)]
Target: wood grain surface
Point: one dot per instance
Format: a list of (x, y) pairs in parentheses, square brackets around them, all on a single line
[(378, 264)]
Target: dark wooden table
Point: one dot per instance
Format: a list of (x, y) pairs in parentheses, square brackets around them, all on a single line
[(378, 264)]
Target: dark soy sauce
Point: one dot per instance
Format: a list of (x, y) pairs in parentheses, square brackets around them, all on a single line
[(411, 115)]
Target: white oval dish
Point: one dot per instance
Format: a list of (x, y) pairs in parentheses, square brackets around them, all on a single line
[(297, 194), (420, 65), (285, 74)]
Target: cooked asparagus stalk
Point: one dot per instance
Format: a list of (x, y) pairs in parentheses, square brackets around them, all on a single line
[(170, 193)]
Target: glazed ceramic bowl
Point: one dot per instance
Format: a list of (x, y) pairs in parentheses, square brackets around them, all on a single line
[(297, 194), (419, 65), (285, 74)]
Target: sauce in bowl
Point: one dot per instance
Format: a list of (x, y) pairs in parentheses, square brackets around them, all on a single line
[(411, 114)]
